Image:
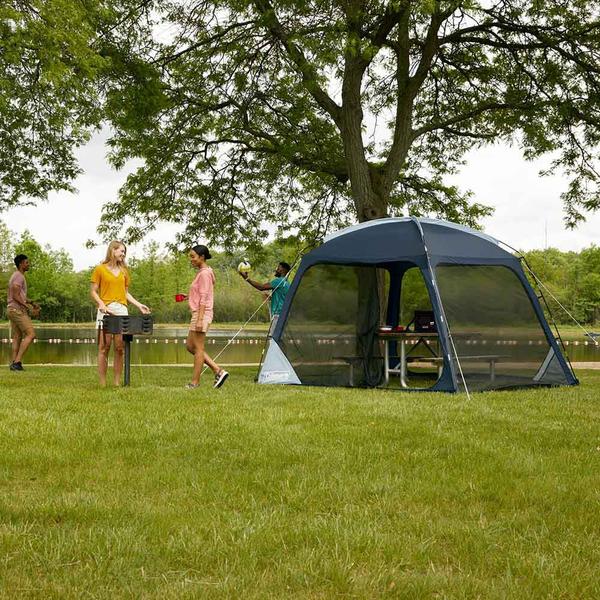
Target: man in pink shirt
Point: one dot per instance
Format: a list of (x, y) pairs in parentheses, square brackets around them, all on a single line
[(18, 305)]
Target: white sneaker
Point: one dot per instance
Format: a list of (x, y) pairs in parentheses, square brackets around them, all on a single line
[(220, 378)]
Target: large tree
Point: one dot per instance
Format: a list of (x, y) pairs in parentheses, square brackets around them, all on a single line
[(304, 113), (46, 102), (311, 111)]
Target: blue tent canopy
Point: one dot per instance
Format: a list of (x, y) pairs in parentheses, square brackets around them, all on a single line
[(344, 320)]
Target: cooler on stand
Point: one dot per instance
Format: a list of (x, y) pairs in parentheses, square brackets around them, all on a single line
[(128, 326)]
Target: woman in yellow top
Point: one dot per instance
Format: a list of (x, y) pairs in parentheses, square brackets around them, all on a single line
[(110, 291)]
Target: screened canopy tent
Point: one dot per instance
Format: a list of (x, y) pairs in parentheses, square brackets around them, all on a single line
[(354, 314)]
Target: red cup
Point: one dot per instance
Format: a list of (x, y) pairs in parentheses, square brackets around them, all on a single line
[(180, 297)]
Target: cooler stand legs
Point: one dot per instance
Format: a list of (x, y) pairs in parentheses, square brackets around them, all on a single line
[(127, 338)]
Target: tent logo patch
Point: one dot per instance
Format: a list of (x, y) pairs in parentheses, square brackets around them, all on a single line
[(275, 376)]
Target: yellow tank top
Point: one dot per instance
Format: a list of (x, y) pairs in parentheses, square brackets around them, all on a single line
[(111, 288)]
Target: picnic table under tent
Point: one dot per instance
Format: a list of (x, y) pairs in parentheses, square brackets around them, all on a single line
[(490, 329)]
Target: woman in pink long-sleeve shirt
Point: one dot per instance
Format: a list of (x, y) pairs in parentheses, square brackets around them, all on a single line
[(200, 299)]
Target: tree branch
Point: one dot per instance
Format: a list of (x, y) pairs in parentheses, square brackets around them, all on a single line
[(481, 109), (301, 63), (204, 42)]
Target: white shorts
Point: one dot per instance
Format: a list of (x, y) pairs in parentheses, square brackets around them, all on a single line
[(115, 308), (206, 321)]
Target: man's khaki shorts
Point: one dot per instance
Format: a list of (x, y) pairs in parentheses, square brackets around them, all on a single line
[(20, 321)]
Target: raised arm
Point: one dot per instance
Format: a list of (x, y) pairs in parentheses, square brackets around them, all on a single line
[(262, 287)]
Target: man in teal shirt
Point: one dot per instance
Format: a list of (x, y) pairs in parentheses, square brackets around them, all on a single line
[(278, 287)]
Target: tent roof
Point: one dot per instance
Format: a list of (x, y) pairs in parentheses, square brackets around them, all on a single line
[(392, 239), (423, 221)]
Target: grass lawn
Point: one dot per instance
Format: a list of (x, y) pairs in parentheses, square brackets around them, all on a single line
[(282, 492)]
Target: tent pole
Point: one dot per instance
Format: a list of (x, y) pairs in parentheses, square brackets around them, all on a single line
[(462, 376), (439, 301)]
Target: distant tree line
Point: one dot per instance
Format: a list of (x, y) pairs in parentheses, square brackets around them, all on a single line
[(156, 277), (572, 277)]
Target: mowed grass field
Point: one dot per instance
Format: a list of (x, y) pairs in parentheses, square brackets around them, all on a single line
[(285, 492)]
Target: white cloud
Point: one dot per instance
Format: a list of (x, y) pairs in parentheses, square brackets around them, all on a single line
[(528, 209), (69, 220)]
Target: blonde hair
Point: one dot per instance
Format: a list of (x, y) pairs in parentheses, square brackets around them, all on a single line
[(109, 251)]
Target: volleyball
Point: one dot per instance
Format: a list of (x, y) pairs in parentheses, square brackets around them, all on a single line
[(244, 267)]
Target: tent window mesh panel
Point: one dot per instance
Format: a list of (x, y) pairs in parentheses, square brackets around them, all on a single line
[(422, 354), (330, 333), (414, 295), (497, 334)]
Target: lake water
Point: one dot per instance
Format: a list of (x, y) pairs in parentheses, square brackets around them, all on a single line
[(167, 346)]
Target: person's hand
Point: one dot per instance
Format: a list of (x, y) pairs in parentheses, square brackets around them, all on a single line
[(243, 275), (35, 310), (144, 309), (199, 320), (102, 308)]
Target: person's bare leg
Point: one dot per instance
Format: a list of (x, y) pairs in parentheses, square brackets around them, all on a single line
[(16, 342), (27, 339), (211, 364), (190, 343), (118, 358), (198, 337), (104, 341)]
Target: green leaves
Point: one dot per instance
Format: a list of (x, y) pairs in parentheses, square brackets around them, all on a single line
[(263, 102), (572, 278), (48, 97), (297, 115)]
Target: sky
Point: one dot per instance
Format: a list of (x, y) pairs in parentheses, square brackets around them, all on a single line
[(528, 210)]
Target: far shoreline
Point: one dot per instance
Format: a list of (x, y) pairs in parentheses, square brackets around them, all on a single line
[(92, 325), (571, 332)]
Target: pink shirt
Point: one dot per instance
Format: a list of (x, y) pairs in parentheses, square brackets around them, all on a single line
[(18, 279), (202, 291)]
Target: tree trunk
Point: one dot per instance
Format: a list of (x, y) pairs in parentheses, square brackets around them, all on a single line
[(371, 185), (366, 201), (365, 180)]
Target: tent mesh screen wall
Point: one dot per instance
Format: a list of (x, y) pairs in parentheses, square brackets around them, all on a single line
[(330, 333), (498, 337), (415, 297)]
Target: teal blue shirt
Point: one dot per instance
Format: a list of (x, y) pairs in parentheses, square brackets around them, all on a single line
[(280, 287)]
